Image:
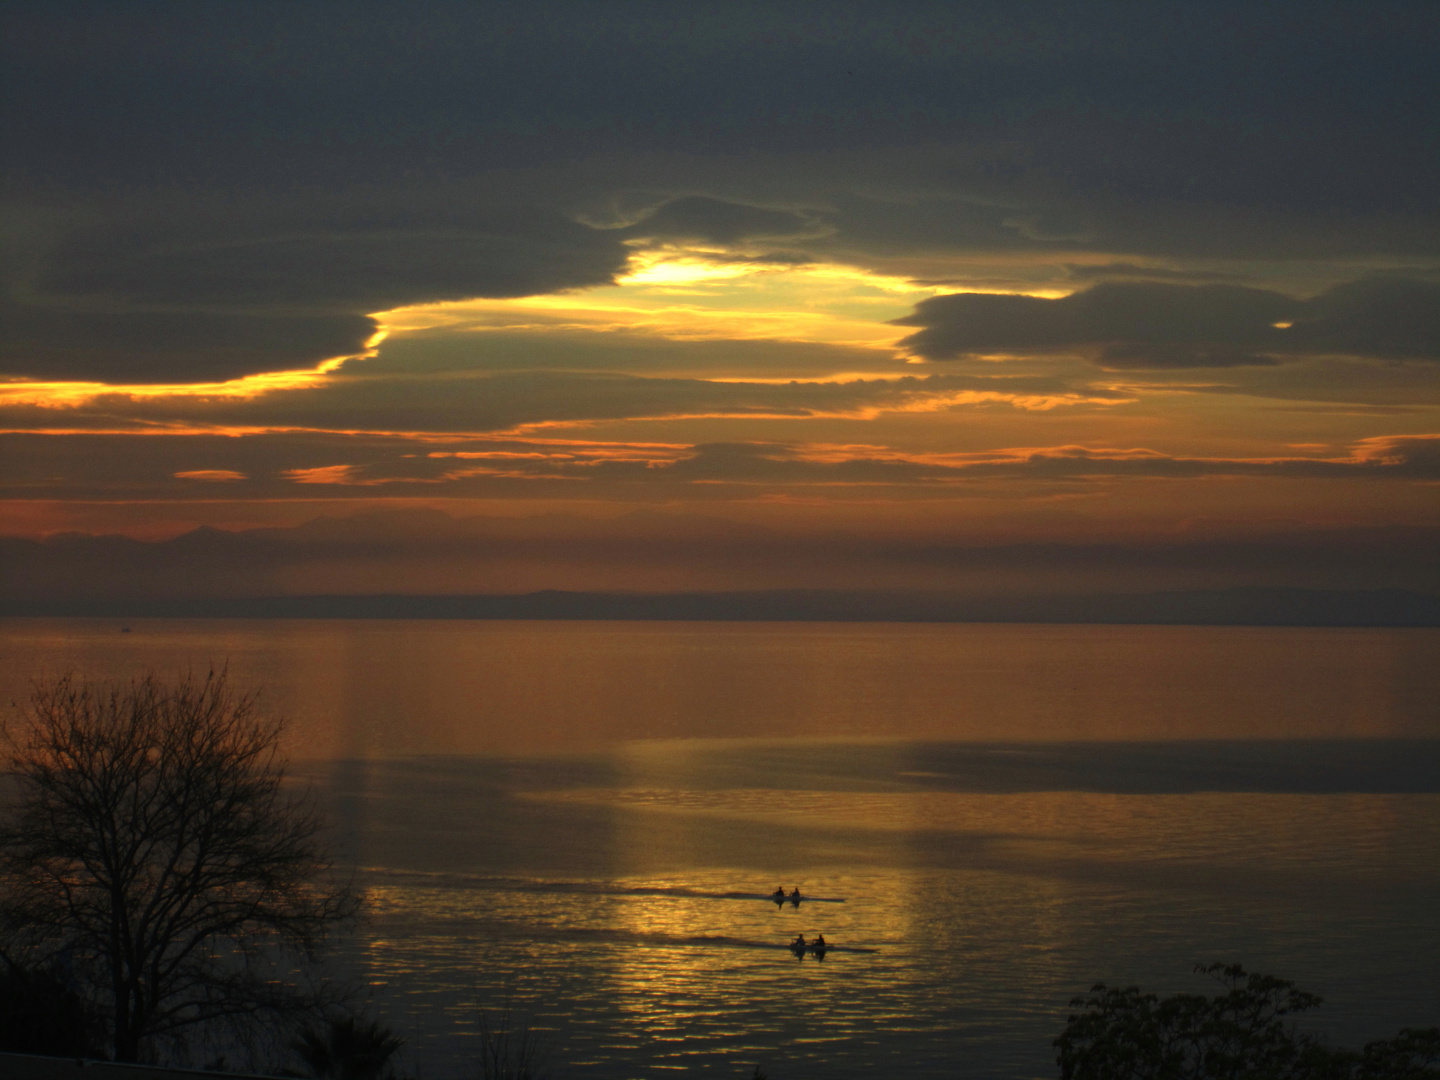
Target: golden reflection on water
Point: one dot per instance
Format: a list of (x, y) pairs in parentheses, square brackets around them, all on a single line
[(595, 888), (985, 913)]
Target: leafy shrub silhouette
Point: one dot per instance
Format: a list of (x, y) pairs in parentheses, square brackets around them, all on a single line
[(509, 1048), (348, 1048), (1241, 1034)]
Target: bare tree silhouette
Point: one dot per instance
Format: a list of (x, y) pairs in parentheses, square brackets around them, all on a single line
[(154, 856)]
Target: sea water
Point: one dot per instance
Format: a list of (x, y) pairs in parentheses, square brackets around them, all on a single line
[(584, 822)]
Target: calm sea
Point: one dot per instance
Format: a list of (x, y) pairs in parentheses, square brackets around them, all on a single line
[(584, 819)]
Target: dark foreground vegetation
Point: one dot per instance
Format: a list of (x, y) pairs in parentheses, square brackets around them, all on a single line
[(161, 895), (161, 888), (1245, 1032)]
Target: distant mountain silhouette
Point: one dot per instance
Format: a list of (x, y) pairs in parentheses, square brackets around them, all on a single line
[(425, 564), (1243, 606)]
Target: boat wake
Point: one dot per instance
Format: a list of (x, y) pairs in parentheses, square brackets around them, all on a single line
[(593, 888), (711, 941), (550, 934)]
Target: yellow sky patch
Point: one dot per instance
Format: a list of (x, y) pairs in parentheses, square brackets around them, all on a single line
[(675, 293), (690, 295)]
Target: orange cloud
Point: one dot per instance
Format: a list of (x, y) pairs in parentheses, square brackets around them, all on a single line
[(217, 475), (324, 474)]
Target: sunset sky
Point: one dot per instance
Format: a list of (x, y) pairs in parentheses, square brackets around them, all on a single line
[(501, 297)]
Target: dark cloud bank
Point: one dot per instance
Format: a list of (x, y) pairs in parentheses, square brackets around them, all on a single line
[(194, 299), (1153, 325), (203, 190)]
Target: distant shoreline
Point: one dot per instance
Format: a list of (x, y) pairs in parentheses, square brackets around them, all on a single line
[(1223, 607)]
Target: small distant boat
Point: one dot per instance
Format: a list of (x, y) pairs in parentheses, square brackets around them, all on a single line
[(780, 898), (816, 949)]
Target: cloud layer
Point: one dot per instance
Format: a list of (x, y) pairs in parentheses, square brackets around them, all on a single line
[(198, 177), (1154, 325), (482, 402), (670, 254), (203, 297), (319, 465)]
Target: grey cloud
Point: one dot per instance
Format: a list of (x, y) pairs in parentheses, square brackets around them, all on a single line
[(696, 217), (1091, 272), (963, 210), (1144, 355), (1050, 226), (176, 346), (1377, 316), (1153, 325), (769, 258), (1171, 315), (921, 128), (196, 299), (1334, 384), (1237, 105), (1418, 455), (351, 265)]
